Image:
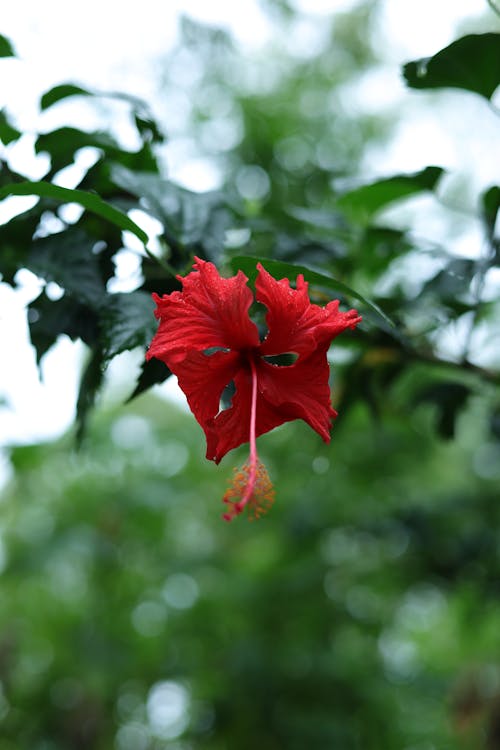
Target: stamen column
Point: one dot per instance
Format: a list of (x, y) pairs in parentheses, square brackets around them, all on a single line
[(251, 482)]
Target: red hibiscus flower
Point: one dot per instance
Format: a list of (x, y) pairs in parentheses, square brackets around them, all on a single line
[(208, 341)]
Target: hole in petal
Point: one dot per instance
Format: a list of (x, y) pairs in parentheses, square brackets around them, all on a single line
[(226, 399), (258, 313), (282, 360), (214, 349)]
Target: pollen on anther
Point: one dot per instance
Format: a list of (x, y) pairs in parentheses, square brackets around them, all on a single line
[(249, 489)]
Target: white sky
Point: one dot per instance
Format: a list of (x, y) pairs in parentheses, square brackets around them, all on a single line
[(58, 41)]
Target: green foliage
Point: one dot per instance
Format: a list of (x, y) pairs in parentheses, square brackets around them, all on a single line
[(365, 594), (58, 93), (8, 133), (471, 63), (142, 116), (280, 192), (127, 321), (364, 202), (491, 206), (6, 48), (363, 612), (89, 201), (78, 256)]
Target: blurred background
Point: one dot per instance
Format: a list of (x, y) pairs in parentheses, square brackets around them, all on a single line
[(363, 613)]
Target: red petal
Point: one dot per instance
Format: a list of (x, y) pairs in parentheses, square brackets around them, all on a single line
[(300, 391), (210, 312), (203, 378), (213, 312), (295, 324), (231, 427)]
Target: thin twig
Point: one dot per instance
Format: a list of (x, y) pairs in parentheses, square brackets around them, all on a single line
[(493, 7), (490, 376), (494, 108), (163, 263)]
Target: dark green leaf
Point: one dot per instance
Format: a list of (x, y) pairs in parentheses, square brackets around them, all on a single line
[(153, 372), (127, 321), (68, 258), (186, 215), (99, 177), (490, 208), (471, 63), (379, 246), (89, 385), (7, 175), (279, 269), (63, 91), (495, 423), (107, 238), (7, 132), (363, 202), (49, 319), (16, 239), (61, 145), (318, 217), (143, 118), (452, 281), (148, 129), (88, 200), (6, 48)]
